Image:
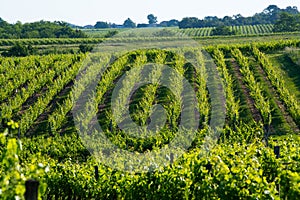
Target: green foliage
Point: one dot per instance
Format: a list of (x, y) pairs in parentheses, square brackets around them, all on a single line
[(41, 29), (189, 22), (19, 50), (278, 82), (12, 179), (128, 23), (287, 23), (294, 55), (232, 104), (223, 30), (101, 25), (262, 103), (171, 23), (239, 166), (12, 173), (268, 16), (152, 19), (84, 48), (111, 33), (229, 171), (164, 33)]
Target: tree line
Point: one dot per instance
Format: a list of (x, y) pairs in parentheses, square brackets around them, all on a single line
[(41, 29), (128, 23), (270, 15), (284, 20)]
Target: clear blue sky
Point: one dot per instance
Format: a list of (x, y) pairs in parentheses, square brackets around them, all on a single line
[(83, 12)]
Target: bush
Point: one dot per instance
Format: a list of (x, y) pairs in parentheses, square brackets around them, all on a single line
[(85, 48), (19, 50), (111, 34), (223, 30)]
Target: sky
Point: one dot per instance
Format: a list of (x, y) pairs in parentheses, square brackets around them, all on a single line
[(86, 12)]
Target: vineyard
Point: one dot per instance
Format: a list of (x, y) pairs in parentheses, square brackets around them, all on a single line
[(241, 30), (46, 105), (192, 32)]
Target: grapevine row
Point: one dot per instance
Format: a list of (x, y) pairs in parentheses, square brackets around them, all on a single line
[(20, 75), (232, 105), (32, 113), (58, 116), (278, 82), (256, 92)]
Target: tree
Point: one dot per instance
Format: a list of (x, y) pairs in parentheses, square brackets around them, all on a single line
[(111, 33), (152, 19), (271, 9), (41, 29), (211, 18), (223, 30), (292, 10), (268, 16), (287, 23), (128, 23), (143, 25), (172, 22), (85, 48), (227, 20), (101, 25), (189, 22), (19, 50)]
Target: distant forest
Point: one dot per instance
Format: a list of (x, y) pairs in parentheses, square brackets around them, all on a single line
[(284, 20)]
